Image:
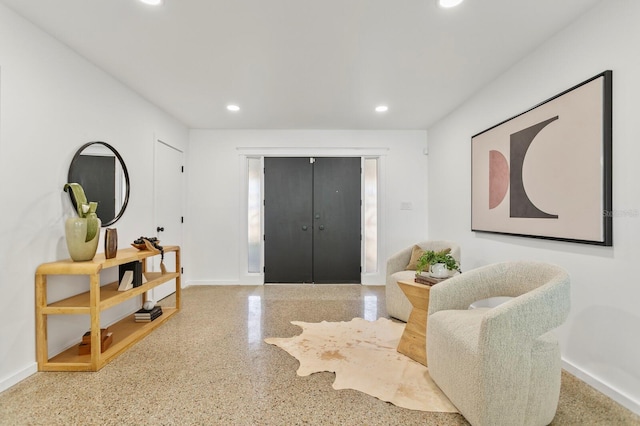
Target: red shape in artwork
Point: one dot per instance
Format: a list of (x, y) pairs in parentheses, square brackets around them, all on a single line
[(498, 178)]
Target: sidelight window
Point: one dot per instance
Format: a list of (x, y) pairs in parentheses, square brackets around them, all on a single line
[(370, 215), (254, 169)]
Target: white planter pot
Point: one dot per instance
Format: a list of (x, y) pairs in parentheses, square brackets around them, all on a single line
[(439, 270)]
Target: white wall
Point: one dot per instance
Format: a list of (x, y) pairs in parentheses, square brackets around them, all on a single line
[(216, 193), (601, 339), (51, 102)]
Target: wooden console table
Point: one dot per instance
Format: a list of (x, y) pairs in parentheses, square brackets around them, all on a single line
[(413, 342), (126, 332)]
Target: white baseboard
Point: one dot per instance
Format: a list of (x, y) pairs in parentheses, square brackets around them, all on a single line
[(601, 387), (374, 279), (14, 379), (247, 282), (216, 282)]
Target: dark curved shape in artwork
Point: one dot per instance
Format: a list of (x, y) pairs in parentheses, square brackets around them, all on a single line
[(520, 204)]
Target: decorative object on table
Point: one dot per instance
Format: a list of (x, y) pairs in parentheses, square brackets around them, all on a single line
[(363, 356), (437, 263), (148, 305), (147, 315), (126, 282), (153, 244), (547, 172), (110, 243), (106, 338), (86, 337), (142, 243), (135, 268), (82, 231)]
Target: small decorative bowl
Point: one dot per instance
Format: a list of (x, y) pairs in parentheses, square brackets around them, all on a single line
[(142, 246)]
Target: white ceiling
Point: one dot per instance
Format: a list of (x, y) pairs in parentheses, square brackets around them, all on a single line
[(302, 64)]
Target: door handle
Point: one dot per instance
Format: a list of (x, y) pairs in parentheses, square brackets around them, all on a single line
[(305, 227), (321, 227), (160, 229)]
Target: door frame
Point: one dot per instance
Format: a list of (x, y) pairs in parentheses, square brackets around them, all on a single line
[(260, 152), (182, 202)]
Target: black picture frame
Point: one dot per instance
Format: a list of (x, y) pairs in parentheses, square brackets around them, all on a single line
[(547, 172)]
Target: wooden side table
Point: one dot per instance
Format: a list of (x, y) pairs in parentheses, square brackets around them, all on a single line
[(413, 342)]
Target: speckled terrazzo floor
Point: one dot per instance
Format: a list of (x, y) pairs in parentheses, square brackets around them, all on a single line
[(209, 365)]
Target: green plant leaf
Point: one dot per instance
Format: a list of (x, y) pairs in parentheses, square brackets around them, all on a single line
[(75, 190), (92, 226), (430, 257)]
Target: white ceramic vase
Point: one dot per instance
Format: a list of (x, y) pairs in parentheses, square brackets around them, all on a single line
[(438, 270)]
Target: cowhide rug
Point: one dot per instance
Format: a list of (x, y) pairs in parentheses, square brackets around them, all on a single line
[(363, 356)]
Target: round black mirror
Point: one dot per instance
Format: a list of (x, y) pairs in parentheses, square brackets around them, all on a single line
[(101, 171)]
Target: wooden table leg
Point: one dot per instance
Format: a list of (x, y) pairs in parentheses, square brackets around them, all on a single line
[(413, 342)]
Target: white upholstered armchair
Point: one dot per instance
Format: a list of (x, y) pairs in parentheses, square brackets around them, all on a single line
[(501, 365), (398, 306)]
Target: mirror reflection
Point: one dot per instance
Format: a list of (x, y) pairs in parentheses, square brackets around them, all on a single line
[(99, 168)]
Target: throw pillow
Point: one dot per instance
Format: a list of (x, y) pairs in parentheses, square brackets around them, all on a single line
[(416, 252), (444, 251)]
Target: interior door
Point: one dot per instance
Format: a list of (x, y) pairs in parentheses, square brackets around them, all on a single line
[(337, 213), (312, 220), (168, 203), (288, 248)]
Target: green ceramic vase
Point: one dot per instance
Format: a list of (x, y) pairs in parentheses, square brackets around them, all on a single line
[(76, 232)]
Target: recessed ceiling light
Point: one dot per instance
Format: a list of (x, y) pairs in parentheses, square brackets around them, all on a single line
[(382, 108), (233, 108), (449, 3), (152, 2)]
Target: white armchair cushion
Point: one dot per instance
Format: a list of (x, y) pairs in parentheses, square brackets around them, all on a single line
[(397, 303), (490, 302)]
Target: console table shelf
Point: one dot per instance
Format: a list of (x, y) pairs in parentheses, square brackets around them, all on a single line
[(126, 332)]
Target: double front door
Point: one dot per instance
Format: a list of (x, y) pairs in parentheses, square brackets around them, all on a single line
[(312, 220)]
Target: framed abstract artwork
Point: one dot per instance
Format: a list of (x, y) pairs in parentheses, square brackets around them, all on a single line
[(546, 173)]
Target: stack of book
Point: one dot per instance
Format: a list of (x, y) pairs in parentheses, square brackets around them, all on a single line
[(148, 315), (426, 279), (106, 338)]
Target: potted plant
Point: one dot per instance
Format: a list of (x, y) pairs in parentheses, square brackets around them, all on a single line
[(437, 263), (82, 231)]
